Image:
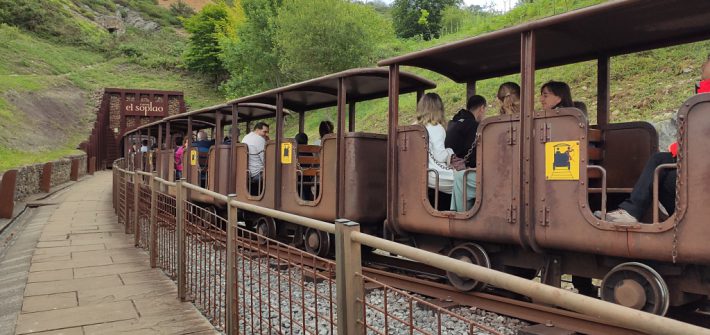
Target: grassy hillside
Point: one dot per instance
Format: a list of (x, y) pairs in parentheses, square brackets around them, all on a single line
[(48, 81)]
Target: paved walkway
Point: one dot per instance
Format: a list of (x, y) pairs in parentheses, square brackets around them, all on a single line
[(86, 277)]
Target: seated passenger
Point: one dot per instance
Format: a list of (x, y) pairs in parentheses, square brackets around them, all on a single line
[(509, 97), (203, 146), (634, 207), (325, 128), (179, 151), (256, 142), (301, 138), (430, 113), (461, 131), (555, 94), (144, 146)]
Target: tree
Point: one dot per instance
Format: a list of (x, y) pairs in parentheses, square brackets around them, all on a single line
[(323, 36), (419, 17), (209, 29), (252, 60)]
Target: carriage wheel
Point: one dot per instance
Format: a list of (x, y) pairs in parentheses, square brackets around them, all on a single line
[(317, 242), (637, 286), (266, 228), (469, 253)]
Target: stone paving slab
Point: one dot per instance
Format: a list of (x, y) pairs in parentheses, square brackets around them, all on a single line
[(86, 276)]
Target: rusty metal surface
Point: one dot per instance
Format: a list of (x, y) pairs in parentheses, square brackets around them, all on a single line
[(490, 217), (7, 193), (267, 198), (514, 308), (45, 183), (144, 216), (281, 289), (206, 262), (167, 235), (361, 84), (74, 173)]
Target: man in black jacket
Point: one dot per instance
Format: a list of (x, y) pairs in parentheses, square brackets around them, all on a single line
[(461, 131)]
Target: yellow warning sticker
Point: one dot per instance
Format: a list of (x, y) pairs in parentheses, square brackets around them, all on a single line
[(193, 157), (562, 160), (286, 152)]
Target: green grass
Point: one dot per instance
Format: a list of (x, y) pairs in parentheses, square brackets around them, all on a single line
[(12, 158)]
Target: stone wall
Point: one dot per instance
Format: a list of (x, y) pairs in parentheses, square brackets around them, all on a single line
[(30, 176)]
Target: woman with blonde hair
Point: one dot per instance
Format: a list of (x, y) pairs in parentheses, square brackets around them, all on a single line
[(430, 114), (509, 97)]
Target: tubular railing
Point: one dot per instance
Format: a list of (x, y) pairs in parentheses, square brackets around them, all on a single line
[(247, 283)]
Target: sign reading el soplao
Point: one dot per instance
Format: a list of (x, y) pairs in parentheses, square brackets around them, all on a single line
[(144, 108)]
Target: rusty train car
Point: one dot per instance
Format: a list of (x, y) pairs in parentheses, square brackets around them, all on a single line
[(525, 219)]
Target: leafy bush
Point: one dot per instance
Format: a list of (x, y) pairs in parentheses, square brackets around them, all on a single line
[(252, 60), (208, 29), (324, 36), (419, 17)]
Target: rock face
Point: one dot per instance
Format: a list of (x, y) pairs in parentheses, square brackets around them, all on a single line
[(114, 24), (667, 132), (134, 19)]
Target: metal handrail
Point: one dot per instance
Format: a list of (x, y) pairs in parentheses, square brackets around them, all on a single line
[(616, 314), (436, 187), (656, 173), (604, 190)]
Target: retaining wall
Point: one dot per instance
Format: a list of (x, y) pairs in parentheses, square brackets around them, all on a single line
[(29, 177)]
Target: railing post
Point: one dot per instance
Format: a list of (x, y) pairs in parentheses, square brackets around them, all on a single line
[(7, 194), (181, 256), (136, 213), (45, 183), (348, 279), (232, 294), (153, 230), (126, 201), (74, 173)]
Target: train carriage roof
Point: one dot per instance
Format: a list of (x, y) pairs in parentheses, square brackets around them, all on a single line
[(205, 117), (605, 30), (362, 84)]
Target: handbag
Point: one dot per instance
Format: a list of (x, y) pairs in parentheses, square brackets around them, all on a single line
[(457, 163)]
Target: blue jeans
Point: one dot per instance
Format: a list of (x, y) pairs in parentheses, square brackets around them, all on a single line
[(457, 195)]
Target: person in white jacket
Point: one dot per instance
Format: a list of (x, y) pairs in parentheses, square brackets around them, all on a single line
[(430, 114)]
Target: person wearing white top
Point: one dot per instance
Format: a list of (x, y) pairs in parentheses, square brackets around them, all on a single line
[(256, 142), (430, 113)]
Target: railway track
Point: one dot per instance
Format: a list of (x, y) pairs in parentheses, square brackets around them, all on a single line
[(383, 269)]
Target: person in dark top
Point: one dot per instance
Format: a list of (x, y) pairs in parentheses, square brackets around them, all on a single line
[(301, 138), (461, 131)]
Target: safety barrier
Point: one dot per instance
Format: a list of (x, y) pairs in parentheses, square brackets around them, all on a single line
[(246, 283)]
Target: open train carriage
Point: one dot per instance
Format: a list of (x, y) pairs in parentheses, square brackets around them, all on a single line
[(342, 178), (534, 210)]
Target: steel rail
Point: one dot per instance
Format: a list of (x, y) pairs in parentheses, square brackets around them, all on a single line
[(606, 311), (506, 306)]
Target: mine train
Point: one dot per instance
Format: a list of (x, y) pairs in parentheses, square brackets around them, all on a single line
[(523, 221)]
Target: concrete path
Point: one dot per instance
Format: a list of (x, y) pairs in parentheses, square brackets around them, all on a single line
[(86, 277)]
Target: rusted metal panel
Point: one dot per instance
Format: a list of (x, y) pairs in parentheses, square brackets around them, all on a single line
[(242, 163), (489, 219), (74, 173), (45, 183), (7, 193)]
